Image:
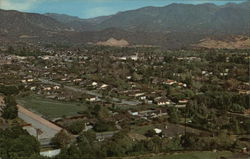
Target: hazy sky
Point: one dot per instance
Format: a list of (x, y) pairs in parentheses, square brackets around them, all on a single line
[(92, 8)]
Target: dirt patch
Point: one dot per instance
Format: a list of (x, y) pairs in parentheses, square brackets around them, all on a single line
[(114, 42), (237, 42)]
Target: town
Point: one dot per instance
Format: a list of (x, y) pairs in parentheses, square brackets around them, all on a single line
[(131, 99)]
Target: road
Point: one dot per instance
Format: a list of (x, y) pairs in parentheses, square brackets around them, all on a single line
[(116, 100), (105, 135), (239, 114), (46, 128)]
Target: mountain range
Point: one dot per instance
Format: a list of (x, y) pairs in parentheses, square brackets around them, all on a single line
[(172, 26)]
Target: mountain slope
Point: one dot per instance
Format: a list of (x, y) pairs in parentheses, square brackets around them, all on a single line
[(183, 17), (208, 18), (19, 23), (172, 26), (77, 23)]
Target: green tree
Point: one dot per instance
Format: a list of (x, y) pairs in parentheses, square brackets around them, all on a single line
[(76, 127), (10, 111), (61, 139)]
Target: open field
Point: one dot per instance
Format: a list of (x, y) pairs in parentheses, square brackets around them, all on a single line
[(185, 155), (195, 155), (170, 129), (51, 108)]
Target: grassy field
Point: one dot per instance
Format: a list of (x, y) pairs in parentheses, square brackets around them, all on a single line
[(143, 129), (51, 108), (184, 155), (194, 155)]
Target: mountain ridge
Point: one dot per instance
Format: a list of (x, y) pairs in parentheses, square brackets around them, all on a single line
[(171, 26)]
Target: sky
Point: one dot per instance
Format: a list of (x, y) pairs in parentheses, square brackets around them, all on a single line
[(93, 8)]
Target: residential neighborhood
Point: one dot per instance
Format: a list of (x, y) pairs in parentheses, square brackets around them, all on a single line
[(158, 94)]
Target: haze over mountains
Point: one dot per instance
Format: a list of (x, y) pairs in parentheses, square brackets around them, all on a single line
[(172, 26)]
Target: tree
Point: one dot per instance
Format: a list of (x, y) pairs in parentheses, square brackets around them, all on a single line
[(61, 139), (10, 111), (17, 143), (10, 50), (150, 133), (173, 115), (189, 140), (76, 127), (102, 126), (8, 90)]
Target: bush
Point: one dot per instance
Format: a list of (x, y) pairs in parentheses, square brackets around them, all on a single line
[(76, 127), (61, 139), (10, 110), (102, 126)]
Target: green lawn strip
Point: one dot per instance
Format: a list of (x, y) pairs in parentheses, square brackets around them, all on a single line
[(143, 129), (194, 155), (51, 108), (182, 155)]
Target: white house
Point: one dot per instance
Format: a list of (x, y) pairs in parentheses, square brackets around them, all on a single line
[(94, 83), (157, 131), (133, 113)]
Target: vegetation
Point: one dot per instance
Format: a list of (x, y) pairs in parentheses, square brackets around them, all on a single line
[(61, 139), (76, 127), (10, 109), (51, 108), (196, 155), (17, 143), (199, 99)]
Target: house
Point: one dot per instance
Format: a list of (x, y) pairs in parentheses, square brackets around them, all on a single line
[(104, 86), (180, 106), (92, 99), (77, 80), (142, 97), (203, 72), (182, 84), (169, 82), (33, 88), (134, 57), (183, 101), (149, 101), (56, 87), (122, 58), (224, 74), (2, 103), (50, 153), (244, 91), (133, 113), (30, 80), (162, 101), (47, 88), (1, 100), (129, 77), (94, 84), (157, 131), (139, 94)]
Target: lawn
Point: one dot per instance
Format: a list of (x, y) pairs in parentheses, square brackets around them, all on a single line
[(143, 129), (194, 155), (184, 155), (51, 108)]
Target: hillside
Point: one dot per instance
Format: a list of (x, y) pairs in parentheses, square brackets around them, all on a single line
[(184, 17), (236, 42), (14, 23), (172, 26), (209, 18)]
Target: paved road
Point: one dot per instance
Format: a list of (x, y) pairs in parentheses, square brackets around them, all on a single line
[(239, 114), (46, 128), (116, 100), (105, 135)]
